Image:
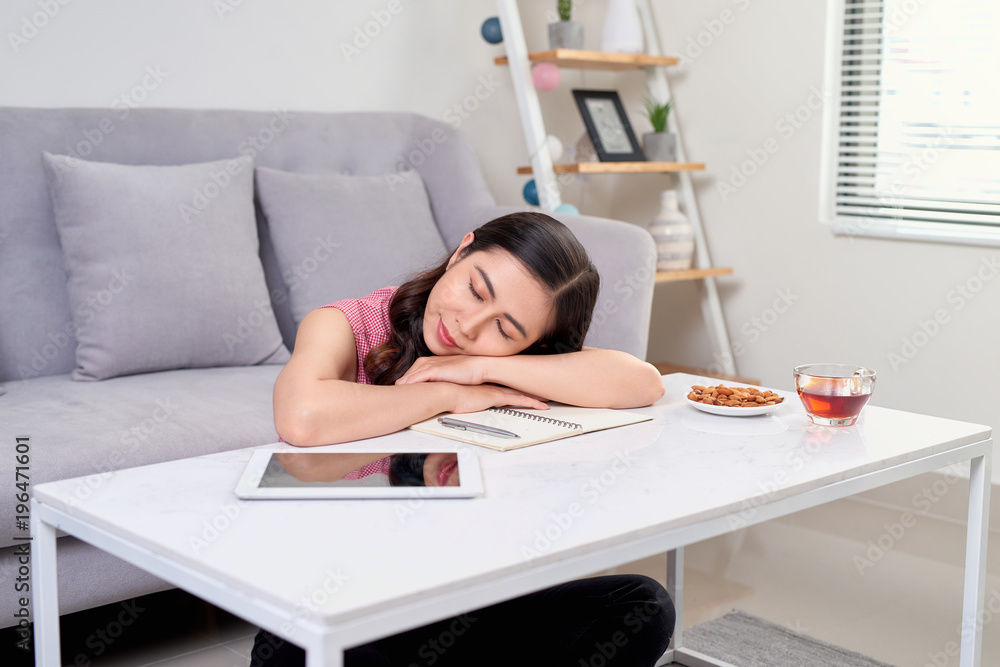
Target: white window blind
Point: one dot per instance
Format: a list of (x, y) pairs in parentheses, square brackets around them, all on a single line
[(913, 135)]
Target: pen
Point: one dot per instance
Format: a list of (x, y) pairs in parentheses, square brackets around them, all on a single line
[(479, 428)]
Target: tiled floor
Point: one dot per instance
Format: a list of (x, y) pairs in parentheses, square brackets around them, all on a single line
[(802, 571)]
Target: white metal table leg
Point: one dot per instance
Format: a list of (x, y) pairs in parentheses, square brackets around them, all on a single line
[(675, 587), (975, 561), (321, 657), (45, 594)]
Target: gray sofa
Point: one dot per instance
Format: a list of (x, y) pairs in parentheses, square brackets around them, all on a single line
[(77, 427)]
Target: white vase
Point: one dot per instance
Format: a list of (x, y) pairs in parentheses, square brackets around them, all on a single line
[(622, 29), (673, 234)]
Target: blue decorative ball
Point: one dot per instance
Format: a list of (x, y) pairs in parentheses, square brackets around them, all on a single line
[(491, 30), (531, 192), (569, 209)]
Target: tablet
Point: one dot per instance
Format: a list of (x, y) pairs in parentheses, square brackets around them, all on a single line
[(445, 473)]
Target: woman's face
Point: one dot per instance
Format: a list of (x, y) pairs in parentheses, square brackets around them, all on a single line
[(441, 470), (486, 304)]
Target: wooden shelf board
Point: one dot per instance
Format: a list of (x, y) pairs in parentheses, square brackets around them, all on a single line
[(577, 59), (692, 274), (621, 167)]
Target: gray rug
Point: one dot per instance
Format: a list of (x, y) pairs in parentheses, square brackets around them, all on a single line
[(748, 641)]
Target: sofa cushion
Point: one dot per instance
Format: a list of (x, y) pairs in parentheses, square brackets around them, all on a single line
[(87, 429), (163, 267), (338, 236)]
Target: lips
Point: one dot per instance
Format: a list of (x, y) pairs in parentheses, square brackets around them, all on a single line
[(444, 336), (445, 472)]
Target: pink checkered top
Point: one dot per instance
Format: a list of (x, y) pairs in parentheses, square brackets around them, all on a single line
[(369, 318), (380, 467)]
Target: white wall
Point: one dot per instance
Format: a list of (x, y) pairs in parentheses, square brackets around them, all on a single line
[(851, 300)]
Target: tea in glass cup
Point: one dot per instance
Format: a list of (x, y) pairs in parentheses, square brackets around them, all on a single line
[(834, 394)]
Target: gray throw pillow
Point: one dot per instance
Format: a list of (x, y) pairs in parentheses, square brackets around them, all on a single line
[(163, 266), (338, 236)]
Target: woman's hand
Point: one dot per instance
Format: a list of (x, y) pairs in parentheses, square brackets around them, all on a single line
[(467, 374), (457, 369), (481, 397)]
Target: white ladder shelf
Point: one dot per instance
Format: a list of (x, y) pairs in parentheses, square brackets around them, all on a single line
[(519, 61)]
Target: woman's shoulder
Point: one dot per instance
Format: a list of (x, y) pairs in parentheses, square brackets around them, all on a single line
[(376, 303)]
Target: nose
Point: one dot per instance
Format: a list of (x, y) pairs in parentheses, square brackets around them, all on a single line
[(470, 324)]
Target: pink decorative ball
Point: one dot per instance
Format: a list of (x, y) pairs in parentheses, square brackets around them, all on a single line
[(545, 76)]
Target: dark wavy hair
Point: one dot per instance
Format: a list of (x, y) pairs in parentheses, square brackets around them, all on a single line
[(407, 469), (549, 251)]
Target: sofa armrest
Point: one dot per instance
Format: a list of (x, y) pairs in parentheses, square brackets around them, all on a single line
[(625, 256)]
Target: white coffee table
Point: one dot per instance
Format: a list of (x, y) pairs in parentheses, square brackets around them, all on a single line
[(329, 575)]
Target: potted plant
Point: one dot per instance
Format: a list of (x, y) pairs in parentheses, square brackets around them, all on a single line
[(659, 145), (564, 33)]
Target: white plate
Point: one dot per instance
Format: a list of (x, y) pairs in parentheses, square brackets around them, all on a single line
[(727, 411)]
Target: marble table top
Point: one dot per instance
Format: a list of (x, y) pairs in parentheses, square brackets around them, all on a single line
[(541, 504)]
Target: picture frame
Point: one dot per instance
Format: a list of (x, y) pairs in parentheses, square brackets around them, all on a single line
[(608, 126)]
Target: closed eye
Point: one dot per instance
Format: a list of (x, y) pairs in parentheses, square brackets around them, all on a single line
[(502, 332), (479, 298)]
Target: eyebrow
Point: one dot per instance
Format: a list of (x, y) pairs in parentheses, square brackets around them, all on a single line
[(493, 294)]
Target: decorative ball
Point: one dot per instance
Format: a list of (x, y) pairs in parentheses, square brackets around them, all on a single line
[(568, 209), (491, 30), (555, 147), (530, 192), (545, 76)]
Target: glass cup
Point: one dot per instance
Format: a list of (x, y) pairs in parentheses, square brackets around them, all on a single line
[(834, 394)]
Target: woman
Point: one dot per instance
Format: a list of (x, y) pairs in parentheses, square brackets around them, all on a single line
[(500, 322)]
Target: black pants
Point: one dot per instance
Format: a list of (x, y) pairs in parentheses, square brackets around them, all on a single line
[(598, 622)]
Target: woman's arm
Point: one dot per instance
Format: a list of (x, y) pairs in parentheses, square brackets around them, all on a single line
[(317, 400), (592, 378)]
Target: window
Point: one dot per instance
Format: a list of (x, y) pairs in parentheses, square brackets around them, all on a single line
[(912, 132)]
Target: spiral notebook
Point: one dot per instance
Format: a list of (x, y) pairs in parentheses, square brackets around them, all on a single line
[(533, 427)]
